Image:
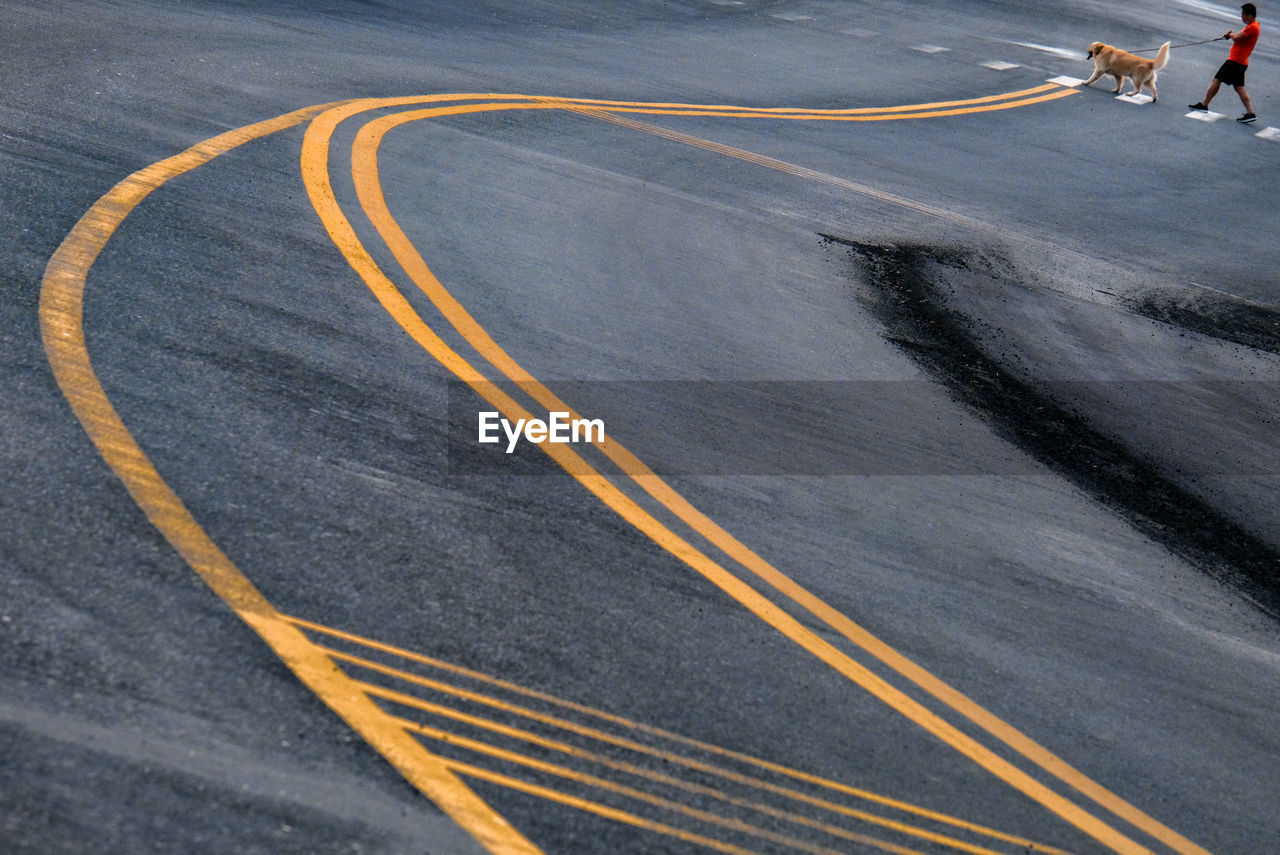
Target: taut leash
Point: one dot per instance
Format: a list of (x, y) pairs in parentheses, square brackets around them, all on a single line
[(1185, 44)]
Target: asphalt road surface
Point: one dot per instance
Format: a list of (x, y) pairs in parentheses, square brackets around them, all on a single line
[(938, 508)]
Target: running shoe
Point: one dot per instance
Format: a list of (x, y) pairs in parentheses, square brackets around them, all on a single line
[(1198, 106), (1247, 119)]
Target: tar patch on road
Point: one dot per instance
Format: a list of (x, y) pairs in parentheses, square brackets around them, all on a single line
[(898, 292), (1253, 326)]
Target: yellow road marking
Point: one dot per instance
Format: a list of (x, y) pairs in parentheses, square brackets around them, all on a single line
[(833, 617), (639, 747), (364, 171), (845, 117), (315, 169), (648, 798), (676, 503), (844, 111), (596, 808), (679, 783), (61, 318)]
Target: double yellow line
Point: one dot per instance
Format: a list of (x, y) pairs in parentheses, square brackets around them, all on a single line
[(61, 319), (934, 110), (364, 168)]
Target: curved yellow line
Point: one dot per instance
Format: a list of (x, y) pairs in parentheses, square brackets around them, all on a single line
[(364, 168), (61, 321), (891, 114), (61, 314), (782, 111)]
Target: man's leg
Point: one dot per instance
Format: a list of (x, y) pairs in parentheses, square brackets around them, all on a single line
[(1244, 99), (1213, 90), (1208, 96)]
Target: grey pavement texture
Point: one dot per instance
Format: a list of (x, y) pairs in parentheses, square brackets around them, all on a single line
[(1104, 277)]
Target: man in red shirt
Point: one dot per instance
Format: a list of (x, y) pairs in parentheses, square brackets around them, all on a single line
[(1232, 71)]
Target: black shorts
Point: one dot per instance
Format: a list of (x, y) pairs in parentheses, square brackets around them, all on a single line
[(1231, 73)]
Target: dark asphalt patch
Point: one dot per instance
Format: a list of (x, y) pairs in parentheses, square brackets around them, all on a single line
[(898, 291), (1221, 317)]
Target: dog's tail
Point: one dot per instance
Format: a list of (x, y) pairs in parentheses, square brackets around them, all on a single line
[(1162, 58)]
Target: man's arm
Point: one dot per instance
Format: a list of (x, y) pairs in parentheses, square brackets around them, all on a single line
[(1234, 36)]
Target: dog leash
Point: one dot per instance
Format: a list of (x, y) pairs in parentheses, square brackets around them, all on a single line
[(1186, 44)]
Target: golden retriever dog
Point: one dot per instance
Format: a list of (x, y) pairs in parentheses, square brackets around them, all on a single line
[(1121, 64)]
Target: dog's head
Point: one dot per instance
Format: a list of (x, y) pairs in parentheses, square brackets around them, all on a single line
[(1094, 49)]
